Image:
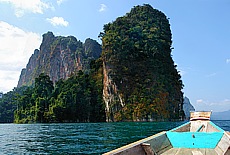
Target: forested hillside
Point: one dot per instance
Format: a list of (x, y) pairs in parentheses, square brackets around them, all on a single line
[(7, 107), (141, 81)]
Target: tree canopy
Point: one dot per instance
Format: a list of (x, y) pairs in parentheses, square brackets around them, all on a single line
[(77, 99)]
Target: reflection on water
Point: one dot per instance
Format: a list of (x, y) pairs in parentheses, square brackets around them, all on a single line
[(78, 138)]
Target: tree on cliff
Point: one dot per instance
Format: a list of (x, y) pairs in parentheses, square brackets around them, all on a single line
[(7, 107), (33, 103), (144, 82), (42, 93), (77, 99)]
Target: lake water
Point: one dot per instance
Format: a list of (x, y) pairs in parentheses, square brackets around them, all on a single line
[(78, 138)]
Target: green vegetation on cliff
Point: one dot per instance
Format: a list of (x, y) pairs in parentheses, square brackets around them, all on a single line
[(7, 108), (71, 93), (137, 56), (77, 99), (135, 79)]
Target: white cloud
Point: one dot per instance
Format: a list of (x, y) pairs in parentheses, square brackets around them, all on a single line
[(216, 106), (58, 21), (24, 6), (59, 2), (199, 101), (227, 61), (103, 8), (16, 48)]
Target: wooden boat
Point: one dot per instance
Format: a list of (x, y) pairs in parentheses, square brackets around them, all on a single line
[(200, 136)]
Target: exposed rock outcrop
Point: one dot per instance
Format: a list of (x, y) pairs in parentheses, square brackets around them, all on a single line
[(112, 98), (59, 57), (187, 107)]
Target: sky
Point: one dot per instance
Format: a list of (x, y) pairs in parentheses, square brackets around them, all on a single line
[(200, 35)]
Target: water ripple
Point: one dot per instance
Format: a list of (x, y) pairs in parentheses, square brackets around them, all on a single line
[(78, 138)]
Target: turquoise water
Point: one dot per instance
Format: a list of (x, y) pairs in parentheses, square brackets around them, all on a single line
[(78, 138)]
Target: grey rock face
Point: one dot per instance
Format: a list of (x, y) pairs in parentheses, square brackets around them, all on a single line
[(187, 107)]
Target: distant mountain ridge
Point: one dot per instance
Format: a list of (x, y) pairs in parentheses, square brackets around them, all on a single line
[(59, 57), (225, 115)]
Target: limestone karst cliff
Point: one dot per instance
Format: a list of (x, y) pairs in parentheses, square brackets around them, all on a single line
[(135, 75), (59, 57), (141, 81), (187, 107)]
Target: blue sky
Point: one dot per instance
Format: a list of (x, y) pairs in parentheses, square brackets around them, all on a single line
[(200, 34)]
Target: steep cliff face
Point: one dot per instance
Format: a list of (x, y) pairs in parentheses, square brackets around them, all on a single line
[(59, 57), (112, 98), (187, 107), (141, 81), (26, 73)]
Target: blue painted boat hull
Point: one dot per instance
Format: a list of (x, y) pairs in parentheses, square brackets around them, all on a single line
[(189, 139), (194, 139)]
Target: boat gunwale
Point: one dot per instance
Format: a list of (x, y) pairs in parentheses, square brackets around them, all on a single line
[(131, 145), (215, 126), (173, 130)]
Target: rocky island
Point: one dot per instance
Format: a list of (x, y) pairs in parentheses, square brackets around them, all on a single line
[(130, 77)]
